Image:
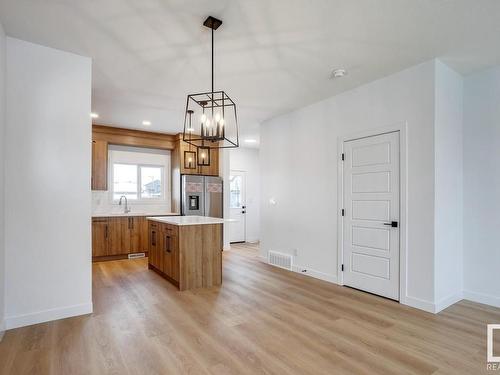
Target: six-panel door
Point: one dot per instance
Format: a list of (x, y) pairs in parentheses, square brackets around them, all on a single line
[(371, 222)]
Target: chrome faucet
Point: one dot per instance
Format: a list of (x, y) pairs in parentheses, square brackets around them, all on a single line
[(126, 209)]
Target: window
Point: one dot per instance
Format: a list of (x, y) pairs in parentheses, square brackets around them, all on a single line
[(235, 190), (140, 174), (137, 181)]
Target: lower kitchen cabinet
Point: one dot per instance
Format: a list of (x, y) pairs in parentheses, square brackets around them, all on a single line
[(113, 237), (100, 232)]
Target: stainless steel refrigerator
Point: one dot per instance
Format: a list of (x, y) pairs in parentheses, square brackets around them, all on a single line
[(201, 195)]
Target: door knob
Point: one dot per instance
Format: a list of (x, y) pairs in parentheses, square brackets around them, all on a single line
[(393, 224)]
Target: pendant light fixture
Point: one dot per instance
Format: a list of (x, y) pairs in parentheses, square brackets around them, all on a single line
[(210, 120)]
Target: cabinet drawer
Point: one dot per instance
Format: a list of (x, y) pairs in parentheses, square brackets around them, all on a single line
[(169, 228)]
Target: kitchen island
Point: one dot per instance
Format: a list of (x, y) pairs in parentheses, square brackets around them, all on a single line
[(186, 250)]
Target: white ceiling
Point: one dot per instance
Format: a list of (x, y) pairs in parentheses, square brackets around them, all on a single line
[(272, 56)]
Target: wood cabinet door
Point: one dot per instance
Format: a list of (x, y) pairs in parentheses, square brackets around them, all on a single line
[(99, 237), (174, 256), (144, 235), (99, 165), (153, 245), (115, 246), (135, 229), (125, 235), (166, 252)]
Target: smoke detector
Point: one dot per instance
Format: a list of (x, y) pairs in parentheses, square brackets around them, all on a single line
[(339, 73)]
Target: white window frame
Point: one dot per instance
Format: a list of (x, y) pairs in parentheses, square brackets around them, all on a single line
[(166, 188), (139, 199)]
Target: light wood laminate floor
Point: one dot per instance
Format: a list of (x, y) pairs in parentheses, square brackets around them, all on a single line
[(263, 320)]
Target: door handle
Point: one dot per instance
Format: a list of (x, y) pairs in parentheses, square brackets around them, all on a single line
[(243, 212), (393, 224), (167, 244)]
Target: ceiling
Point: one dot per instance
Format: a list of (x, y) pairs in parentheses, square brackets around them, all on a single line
[(271, 56)]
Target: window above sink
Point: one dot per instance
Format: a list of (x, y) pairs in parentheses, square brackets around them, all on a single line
[(140, 174)]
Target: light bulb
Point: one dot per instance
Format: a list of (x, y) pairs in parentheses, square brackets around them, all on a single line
[(203, 156), (203, 118), (217, 117), (221, 122), (207, 123), (190, 160)]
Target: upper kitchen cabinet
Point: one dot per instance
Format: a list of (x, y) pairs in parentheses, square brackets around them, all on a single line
[(186, 157), (99, 165)]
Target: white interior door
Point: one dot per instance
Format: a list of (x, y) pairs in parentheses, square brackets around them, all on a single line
[(237, 205), (371, 214)]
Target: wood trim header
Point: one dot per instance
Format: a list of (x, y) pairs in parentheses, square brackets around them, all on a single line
[(130, 137)]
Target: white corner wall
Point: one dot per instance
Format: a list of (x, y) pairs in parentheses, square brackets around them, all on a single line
[(448, 194), (482, 187), (247, 159), (2, 128), (47, 184), (299, 156), (224, 172)]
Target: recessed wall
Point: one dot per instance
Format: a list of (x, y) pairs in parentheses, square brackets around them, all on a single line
[(482, 187)]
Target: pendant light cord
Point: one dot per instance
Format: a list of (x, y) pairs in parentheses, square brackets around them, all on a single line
[(212, 64)]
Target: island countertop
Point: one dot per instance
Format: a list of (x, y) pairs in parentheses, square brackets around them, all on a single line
[(187, 220)]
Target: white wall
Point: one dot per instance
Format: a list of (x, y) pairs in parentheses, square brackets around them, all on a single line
[(2, 128), (298, 158), (47, 184), (247, 159), (224, 172), (482, 187), (448, 229)]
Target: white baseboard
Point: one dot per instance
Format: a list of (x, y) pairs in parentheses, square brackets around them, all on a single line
[(254, 240), (316, 274), (2, 329), (486, 299), (447, 302), (12, 322), (418, 304)]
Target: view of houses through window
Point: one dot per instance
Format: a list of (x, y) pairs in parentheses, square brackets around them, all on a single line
[(137, 181)]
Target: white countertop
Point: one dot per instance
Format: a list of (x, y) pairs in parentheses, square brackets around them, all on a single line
[(187, 220), (132, 213)]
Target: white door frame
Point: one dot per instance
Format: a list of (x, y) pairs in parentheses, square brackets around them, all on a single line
[(403, 178)]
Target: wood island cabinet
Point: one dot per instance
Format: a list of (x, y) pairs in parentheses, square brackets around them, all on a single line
[(188, 256)]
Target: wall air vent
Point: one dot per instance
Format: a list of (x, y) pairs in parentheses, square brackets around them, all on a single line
[(280, 260)]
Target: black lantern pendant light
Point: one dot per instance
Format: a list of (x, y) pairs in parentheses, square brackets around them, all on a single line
[(210, 120)]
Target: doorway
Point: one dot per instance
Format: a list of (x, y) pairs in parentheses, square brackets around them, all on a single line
[(371, 214), (237, 206)]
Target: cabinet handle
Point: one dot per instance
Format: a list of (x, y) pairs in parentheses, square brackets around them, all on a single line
[(106, 232), (167, 244), (131, 222), (153, 238)]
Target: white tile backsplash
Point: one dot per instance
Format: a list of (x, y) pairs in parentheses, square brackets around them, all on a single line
[(101, 205)]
